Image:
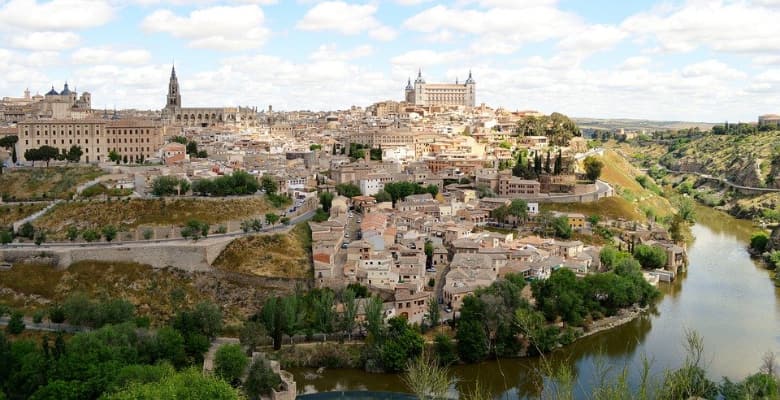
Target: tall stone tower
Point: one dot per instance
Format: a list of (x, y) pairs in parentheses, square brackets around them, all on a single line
[(409, 92), (174, 97), (471, 92)]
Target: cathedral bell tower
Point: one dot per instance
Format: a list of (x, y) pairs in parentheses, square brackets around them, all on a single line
[(174, 97)]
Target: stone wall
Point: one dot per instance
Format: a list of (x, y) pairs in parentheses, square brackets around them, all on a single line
[(189, 257)]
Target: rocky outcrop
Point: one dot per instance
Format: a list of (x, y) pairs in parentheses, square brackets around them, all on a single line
[(774, 240)]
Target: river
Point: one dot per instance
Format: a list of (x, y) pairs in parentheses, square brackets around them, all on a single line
[(725, 296)]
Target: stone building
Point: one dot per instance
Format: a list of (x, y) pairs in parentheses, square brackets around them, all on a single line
[(175, 114), (441, 94), (54, 105), (135, 139)]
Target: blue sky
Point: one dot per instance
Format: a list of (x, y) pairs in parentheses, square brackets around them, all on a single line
[(690, 60)]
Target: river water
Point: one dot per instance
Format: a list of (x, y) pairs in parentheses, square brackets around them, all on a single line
[(725, 296)]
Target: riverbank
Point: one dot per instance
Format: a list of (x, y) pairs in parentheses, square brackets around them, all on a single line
[(623, 317)]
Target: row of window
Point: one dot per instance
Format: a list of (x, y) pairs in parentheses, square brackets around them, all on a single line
[(97, 132)]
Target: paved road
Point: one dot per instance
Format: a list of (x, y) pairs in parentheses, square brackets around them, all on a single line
[(724, 181), (47, 326)]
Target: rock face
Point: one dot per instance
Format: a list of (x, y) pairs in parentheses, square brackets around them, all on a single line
[(774, 240)]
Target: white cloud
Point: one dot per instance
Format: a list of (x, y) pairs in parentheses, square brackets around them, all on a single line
[(45, 40), (331, 52), (712, 69), (108, 55), (218, 28), (55, 15), (348, 19), (412, 60), (718, 25), (499, 30), (202, 2)]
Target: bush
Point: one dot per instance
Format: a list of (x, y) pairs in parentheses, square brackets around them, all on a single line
[(759, 241), (195, 229), (230, 363), (15, 324), (261, 379), (237, 183), (169, 186), (650, 256), (38, 317), (57, 314), (27, 230), (6, 236)]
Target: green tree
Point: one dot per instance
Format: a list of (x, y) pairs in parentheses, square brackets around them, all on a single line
[(375, 318), (252, 335), (593, 167), (434, 313), (445, 349), (348, 190), (261, 380), (9, 143), (74, 154), (472, 341), (432, 189), (271, 315), (6, 236), (15, 324), (269, 185), (561, 227), (326, 200), (188, 384), (73, 233), (382, 196), (109, 232), (349, 315), (192, 148), (169, 186), (230, 363), (90, 235), (518, 208), (114, 156), (27, 230), (272, 218), (401, 343), (650, 256)]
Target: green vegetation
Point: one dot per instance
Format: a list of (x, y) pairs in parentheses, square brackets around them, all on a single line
[(170, 186), (45, 183), (650, 257), (759, 242), (399, 190), (348, 190), (557, 127), (230, 363), (100, 189), (261, 379), (237, 183), (593, 167), (195, 229)]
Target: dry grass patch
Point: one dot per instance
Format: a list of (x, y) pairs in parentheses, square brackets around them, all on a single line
[(610, 207), (279, 256), (131, 213), (45, 183), (12, 213), (155, 292)]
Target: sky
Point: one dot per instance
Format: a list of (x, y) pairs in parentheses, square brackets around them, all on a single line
[(690, 60)]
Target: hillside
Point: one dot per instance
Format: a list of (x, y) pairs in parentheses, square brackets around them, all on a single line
[(157, 293), (646, 200), (747, 160), (14, 212), (280, 255), (131, 213), (45, 183)]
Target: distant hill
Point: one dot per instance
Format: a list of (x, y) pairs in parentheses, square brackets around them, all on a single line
[(639, 124)]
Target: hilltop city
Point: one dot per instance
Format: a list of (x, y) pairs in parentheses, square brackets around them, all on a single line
[(370, 223)]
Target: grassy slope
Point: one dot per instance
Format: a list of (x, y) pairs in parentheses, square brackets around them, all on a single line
[(131, 213), (631, 201), (12, 213), (280, 255), (31, 287), (45, 183)]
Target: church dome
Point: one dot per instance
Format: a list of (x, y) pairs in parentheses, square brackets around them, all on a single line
[(52, 92), (65, 91)]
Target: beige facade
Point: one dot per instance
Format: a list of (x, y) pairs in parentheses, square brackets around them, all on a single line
[(175, 114), (136, 139), (57, 105), (441, 94)]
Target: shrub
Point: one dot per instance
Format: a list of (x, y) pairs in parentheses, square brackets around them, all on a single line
[(57, 314), (15, 324), (261, 379), (38, 317), (759, 241), (230, 362)]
